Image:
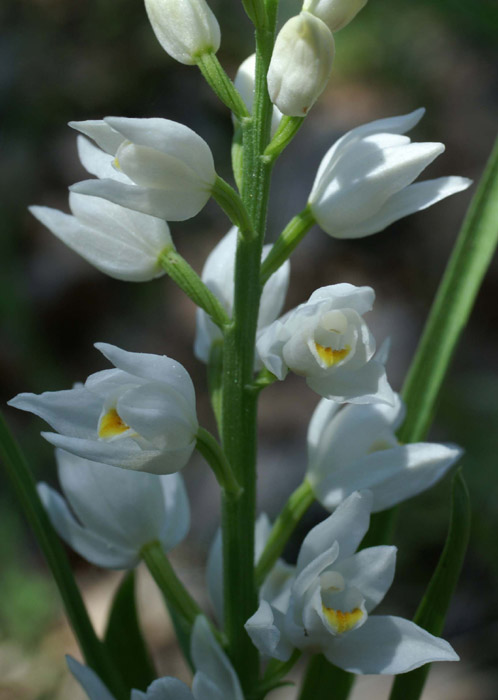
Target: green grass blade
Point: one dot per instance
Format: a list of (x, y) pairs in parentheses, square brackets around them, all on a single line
[(432, 610), (323, 681)]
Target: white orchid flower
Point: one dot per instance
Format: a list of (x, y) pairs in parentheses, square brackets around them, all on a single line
[(355, 447), (122, 243), (364, 182), (244, 82), (184, 29), (218, 275), (325, 606), (327, 341), (154, 166), (214, 679), (110, 515), (335, 13), (301, 64), (140, 415)]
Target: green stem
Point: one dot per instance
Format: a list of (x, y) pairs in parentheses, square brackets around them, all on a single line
[(239, 399), (449, 314), (297, 505), (288, 240), (288, 128), (215, 457), (221, 84), (232, 205), (95, 653), (323, 681), (189, 281), (168, 582)]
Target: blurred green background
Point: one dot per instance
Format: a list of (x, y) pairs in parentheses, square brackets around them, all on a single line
[(61, 60)]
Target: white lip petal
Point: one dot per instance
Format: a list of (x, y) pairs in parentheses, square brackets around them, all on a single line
[(98, 162), (404, 647)]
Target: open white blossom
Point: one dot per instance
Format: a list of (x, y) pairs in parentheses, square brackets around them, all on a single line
[(109, 515), (140, 415), (301, 64), (154, 166), (324, 606), (218, 275), (244, 82), (214, 679), (184, 28), (355, 447), (335, 13), (364, 182), (122, 243), (327, 341)]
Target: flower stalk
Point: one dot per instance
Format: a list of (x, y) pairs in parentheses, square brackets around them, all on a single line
[(286, 243), (215, 457), (220, 83)]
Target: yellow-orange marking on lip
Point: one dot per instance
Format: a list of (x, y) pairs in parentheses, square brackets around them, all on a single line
[(111, 425), (342, 621), (331, 357), (117, 164)]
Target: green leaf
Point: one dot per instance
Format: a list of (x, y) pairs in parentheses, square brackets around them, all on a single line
[(432, 610), (124, 640), (324, 681)]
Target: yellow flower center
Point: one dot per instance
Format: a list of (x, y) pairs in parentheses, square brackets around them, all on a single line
[(342, 621), (111, 424), (331, 357)]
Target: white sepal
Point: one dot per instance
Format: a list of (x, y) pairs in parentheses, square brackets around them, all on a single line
[(89, 681), (325, 605), (163, 168), (335, 13), (215, 677), (117, 241), (355, 447), (301, 64), (139, 416), (364, 182), (184, 28), (218, 275), (327, 341)]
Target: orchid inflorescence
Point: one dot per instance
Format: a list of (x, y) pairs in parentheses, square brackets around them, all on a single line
[(123, 436)]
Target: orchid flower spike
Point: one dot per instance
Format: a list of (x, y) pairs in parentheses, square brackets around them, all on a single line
[(116, 512), (355, 447), (185, 29), (214, 678), (327, 341), (364, 182), (140, 415), (325, 605), (218, 275), (123, 244), (301, 64), (244, 82), (154, 166), (335, 13)]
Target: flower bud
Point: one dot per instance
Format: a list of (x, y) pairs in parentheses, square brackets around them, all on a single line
[(123, 244), (335, 13), (300, 65), (184, 28)]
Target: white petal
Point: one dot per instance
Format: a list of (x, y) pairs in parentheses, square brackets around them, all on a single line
[(214, 574), (212, 664), (347, 526), (261, 533), (276, 589), (98, 162), (274, 293), (104, 136), (264, 629), (345, 296), (321, 421), (307, 576), (176, 522), (371, 571), (125, 507), (158, 368), (89, 681), (269, 345), (74, 412), (172, 205), (164, 689), (388, 645), (90, 545), (368, 384), (408, 201)]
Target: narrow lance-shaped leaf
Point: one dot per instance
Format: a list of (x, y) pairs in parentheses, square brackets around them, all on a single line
[(432, 610)]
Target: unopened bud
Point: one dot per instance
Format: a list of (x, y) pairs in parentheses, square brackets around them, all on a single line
[(184, 28), (335, 13), (300, 65)]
